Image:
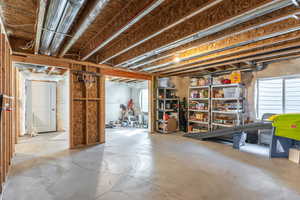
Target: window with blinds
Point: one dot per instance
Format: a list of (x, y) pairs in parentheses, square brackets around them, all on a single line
[(278, 95), (292, 95)]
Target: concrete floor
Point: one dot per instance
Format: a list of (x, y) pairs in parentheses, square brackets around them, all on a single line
[(134, 165)]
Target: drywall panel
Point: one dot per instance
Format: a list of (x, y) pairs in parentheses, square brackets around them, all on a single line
[(116, 94), (121, 93)]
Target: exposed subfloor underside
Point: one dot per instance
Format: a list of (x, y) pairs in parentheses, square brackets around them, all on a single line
[(135, 165)]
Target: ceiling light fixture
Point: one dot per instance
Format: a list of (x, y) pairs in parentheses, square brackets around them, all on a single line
[(177, 59)]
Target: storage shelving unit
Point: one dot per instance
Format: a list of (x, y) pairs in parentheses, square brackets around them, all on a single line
[(199, 109), (227, 110), (167, 104), (222, 111)]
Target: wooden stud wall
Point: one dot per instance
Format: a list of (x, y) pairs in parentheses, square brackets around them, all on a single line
[(8, 118), (87, 109)]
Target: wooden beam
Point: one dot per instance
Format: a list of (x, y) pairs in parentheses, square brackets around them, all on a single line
[(98, 43), (40, 22), (168, 56), (266, 50), (249, 68), (217, 16), (261, 58), (40, 60), (237, 34), (65, 63), (273, 33), (121, 73)]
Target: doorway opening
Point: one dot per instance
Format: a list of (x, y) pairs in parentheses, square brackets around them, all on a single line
[(127, 106), (44, 108)]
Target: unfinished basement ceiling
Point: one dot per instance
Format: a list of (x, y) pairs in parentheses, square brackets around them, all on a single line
[(48, 70), (164, 37)]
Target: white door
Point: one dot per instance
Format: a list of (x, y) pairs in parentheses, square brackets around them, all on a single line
[(43, 106)]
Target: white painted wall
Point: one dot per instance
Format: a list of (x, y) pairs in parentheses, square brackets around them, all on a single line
[(115, 94), (62, 98), (63, 103), (120, 93)]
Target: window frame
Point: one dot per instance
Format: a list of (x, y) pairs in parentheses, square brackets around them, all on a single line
[(283, 78), (141, 100)]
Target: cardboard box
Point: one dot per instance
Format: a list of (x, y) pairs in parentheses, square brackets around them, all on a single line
[(294, 155)]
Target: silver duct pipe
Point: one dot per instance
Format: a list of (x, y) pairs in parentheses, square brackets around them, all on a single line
[(93, 13), (71, 11), (205, 43), (264, 9), (54, 14), (127, 26)]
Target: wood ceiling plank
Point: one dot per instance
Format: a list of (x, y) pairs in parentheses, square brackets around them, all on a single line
[(115, 14), (294, 51), (190, 48), (266, 50), (132, 17), (230, 46), (217, 14), (249, 53)]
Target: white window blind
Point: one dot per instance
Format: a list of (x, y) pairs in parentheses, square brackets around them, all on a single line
[(270, 96), (278, 95), (292, 95)]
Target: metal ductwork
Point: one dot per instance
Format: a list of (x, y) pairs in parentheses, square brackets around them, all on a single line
[(264, 9), (93, 13), (72, 9), (60, 17), (55, 11), (261, 66)]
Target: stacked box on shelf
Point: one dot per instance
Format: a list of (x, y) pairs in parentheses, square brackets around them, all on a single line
[(167, 107), (199, 105), (227, 105)]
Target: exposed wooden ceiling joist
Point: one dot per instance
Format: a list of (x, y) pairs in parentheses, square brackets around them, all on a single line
[(248, 53), (214, 19), (269, 35), (175, 12), (90, 14), (205, 35), (98, 44), (234, 61), (247, 67), (168, 56), (238, 31)]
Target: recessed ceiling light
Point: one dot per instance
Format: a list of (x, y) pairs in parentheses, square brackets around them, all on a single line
[(177, 59)]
